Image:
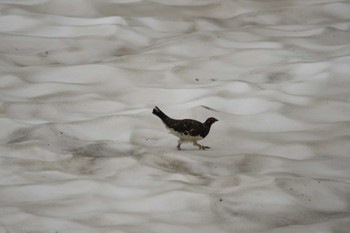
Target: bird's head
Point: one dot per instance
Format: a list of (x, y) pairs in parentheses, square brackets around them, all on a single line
[(210, 121)]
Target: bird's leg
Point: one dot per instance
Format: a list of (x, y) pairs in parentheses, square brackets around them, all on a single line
[(201, 147), (179, 144)]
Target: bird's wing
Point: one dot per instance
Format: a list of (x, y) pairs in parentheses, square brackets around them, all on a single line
[(187, 126)]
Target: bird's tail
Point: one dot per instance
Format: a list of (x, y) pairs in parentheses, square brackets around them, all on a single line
[(156, 111)]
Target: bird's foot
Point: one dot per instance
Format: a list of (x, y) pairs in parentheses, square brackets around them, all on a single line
[(201, 147), (204, 147)]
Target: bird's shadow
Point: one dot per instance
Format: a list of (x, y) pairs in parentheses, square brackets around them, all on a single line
[(207, 148)]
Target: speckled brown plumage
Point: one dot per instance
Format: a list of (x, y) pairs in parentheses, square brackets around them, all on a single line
[(187, 130)]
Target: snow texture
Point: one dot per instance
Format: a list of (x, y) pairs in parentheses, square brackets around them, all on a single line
[(81, 152)]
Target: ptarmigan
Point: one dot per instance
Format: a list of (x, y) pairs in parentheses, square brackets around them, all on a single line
[(187, 130)]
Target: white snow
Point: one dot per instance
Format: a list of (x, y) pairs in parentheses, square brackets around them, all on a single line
[(80, 150)]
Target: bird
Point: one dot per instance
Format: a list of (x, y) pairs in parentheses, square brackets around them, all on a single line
[(187, 130)]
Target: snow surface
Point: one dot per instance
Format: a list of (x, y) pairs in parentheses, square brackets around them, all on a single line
[(80, 150)]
